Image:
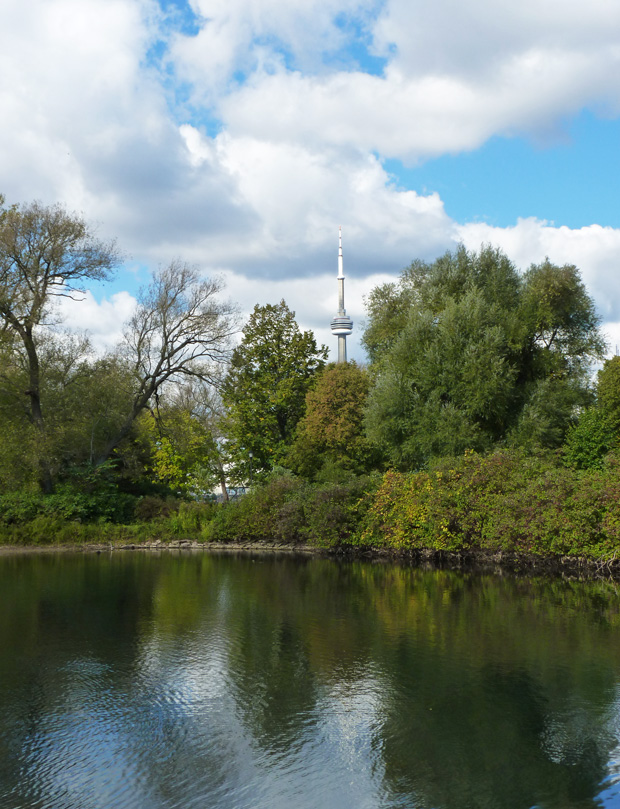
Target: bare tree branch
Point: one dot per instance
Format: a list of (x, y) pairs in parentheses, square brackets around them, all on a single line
[(44, 252), (180, 330)]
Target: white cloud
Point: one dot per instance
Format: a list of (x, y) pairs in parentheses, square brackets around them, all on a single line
[(69, 70), (97, 124), (456, 74), (102, 320), (243, 36), (595, 250), (412, 117), (449, 37)]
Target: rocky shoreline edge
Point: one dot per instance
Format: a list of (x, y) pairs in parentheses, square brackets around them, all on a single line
[(479, 561)]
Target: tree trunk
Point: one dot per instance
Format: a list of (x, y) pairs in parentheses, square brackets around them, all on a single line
[(139, 404), (46, 480)]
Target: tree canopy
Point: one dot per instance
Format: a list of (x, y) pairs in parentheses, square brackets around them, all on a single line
[(468, 353), (180, 330), (265, 390), (330, 440), (63, 405), (45, 252)]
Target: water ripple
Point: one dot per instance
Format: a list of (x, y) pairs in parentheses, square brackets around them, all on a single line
[(216, 683)]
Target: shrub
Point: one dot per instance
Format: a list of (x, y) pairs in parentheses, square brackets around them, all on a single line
[(289, 510), (191, 518), (66, 503), (255, 516), (149, 508), (506, 501)]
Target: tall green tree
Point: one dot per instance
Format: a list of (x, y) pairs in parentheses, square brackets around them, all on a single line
[(598, 430), (330, 440), (265, 389), (45, 252), (468, 353), (85, 398), (182, 440), (608, 392)]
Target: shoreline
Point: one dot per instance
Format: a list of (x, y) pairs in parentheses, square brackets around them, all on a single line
[(475, 561)]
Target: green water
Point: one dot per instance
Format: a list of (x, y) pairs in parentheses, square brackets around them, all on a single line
[(140, 681)]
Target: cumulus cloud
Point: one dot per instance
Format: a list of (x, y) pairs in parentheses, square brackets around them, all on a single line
[(235, 38), (455, 74), (241, 138), (414, 117), (103, 320), (68, 71), (448, 37), (90, 125)]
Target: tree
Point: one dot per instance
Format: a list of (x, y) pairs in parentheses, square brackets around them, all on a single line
[(478, 355), (179, 331), (185, 439), (265, 389), (86, 398), (608, 392), (330, 441), (598, 429), (45, 253)]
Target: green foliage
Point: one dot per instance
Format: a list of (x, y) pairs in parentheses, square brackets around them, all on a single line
[(67, 504), (467, 354), (151, 507), (597, 431), (330, 442), (288, 510), (256, 517), (84, 396), (191, 519), (44, 252), (507, 501), (179, 333), (179, 449), (265, 390), (608, 392), (590, 440)]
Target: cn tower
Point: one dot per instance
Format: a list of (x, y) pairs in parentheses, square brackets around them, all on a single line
[(342, 325)]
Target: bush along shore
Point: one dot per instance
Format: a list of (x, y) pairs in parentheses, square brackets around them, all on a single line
[(529, 511)]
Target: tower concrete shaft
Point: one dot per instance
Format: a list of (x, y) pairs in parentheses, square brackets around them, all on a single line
[(341, 325)]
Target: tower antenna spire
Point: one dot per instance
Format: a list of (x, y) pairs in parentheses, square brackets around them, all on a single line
[(342, 325)]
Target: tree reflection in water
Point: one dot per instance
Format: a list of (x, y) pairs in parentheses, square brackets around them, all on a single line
[(153, 681)]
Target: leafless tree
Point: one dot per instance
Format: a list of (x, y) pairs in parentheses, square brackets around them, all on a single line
[(180, 330)]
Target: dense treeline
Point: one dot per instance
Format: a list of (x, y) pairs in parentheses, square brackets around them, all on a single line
[(478, 422)]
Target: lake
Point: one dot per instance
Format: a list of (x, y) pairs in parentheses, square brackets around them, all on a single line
[(152, 681)]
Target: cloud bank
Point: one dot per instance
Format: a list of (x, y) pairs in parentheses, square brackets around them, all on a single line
[(239, 134)]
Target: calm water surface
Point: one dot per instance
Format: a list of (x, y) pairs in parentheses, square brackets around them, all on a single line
[(137, 681)]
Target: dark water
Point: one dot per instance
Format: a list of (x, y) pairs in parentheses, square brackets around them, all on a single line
[(143, 682)]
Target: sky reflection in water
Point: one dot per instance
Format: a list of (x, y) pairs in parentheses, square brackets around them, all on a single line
[(141, 681)]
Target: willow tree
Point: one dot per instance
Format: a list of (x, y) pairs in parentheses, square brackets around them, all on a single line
[(467, 352)]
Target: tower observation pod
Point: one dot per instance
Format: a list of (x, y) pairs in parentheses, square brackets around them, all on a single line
[(342, 325)]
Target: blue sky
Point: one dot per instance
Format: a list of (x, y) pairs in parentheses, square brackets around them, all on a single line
[(239, 134), (570, 179)]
